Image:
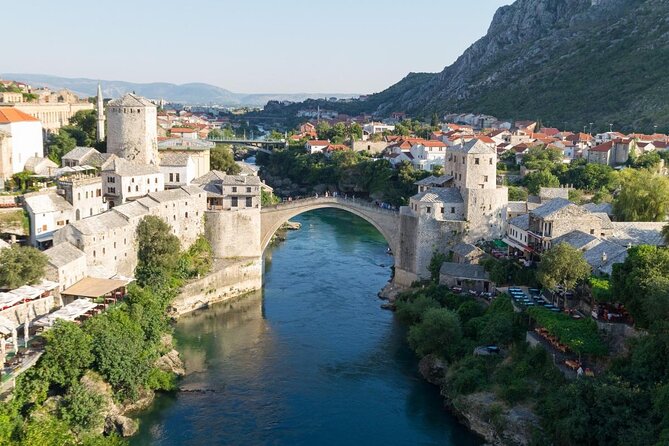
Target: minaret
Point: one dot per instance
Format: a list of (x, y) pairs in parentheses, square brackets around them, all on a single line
[(101, 116)]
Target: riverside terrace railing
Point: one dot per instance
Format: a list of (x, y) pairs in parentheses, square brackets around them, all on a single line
[(359, 203)]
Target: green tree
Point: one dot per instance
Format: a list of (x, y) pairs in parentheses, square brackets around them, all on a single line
[(81, 408), (635, 279), (121, 354), (158, 249), (517, 193), (562, 265), (21, 265), (67, 353), (222, 159), (60, 144), (411, 310), (665, 233), (46, 430), (540, 178), (439, 333), (437, 260), (643, 196)]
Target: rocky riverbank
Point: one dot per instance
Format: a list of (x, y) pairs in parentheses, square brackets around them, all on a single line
[(482, 412)]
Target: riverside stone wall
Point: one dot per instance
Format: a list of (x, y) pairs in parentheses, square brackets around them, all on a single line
[(229, 278)]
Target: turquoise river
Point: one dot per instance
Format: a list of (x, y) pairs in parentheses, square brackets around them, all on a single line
[(312, 360)]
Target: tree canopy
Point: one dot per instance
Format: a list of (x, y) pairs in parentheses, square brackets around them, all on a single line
[(643, 196), (562, 265), (222, 159), (21, 265)]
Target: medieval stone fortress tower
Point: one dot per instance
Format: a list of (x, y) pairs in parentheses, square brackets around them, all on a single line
[(131, 129)]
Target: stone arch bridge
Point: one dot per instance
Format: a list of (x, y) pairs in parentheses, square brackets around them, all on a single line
[(386, 221)]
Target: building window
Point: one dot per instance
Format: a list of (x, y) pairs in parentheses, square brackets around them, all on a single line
[(171, 178), (186, 214), (249, 202), (148, 181), (234, 202), (248, 190), (111, 180), (98, 193), (78, 195), (137, 188), (476, 161), (155, 180), (129, 189), (490, 161), (485, 178), (452, 210), (234, 188), (428, 209), (176, 176)]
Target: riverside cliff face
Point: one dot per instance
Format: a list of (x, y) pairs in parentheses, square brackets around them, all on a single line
[(555, 60)]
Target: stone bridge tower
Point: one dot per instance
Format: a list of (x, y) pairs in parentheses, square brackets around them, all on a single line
[(132, 129)]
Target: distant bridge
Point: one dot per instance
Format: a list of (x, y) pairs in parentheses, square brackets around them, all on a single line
[(386, 221), (259, 144)]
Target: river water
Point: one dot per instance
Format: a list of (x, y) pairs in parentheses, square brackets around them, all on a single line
[(312, 360)]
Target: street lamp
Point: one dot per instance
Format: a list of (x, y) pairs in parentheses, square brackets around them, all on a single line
[(591, 129), (610, 128)]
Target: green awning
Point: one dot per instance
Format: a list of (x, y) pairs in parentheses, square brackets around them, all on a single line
[(499, 244)]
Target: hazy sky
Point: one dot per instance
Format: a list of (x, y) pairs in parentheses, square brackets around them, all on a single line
[(254, 46)]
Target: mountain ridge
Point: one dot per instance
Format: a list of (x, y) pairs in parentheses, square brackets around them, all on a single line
[(193, 93)]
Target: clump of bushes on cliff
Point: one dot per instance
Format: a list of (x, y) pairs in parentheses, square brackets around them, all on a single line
[(51, 405)]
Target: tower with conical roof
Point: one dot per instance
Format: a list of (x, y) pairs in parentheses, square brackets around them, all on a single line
[(132, 129), (100, 116)]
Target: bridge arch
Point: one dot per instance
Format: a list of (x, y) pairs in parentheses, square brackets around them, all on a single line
[(385, 221)]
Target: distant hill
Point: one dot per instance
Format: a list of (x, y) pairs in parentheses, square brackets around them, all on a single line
[(192, 93), (557, 61)]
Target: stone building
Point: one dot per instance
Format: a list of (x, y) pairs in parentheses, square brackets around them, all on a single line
[(83, 156), (22, 140), (109, 239), (132, 129), (178, 169), (53, 115), (233, 214), (123, 180), (47, 212), (465, 204), (66, 265), (84, 193), (199, 151)]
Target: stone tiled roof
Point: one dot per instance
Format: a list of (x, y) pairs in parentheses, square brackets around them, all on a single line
[(126, 168), (49, 202), (604, 254), (552, 207), (466, 249), (236, 180), (432, 180), (63, 254), (475, 146), (464, 271), (40, 166), (79, 154), (522, 222), (439, 195), (577, 239), (212, 175), (130, 100), (131, 210), (517, 206), (175, 159), (637, 233), (100, 223), (606, 208)]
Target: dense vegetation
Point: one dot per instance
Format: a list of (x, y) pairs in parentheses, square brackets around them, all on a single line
[(81, 132), (21, 265), (626, 404), (56, 402), (347, 172), (222, 159)]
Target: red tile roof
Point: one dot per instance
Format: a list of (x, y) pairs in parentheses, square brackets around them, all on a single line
[(182, 130), (603, 147), (11, 114)]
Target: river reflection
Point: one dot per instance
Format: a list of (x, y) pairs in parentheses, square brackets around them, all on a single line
[(312, 360)]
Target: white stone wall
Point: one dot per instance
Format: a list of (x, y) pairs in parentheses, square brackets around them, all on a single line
[(234, 233), (486, 213), (132, 133), (67, 275), (26, 141), (85, 195), (130, 187)]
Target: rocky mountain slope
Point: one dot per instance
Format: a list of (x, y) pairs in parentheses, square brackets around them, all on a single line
[(559, 61), (192, 93)]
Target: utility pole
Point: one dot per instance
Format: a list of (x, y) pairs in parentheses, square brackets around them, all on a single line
[(591, 129), (610, 128)]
